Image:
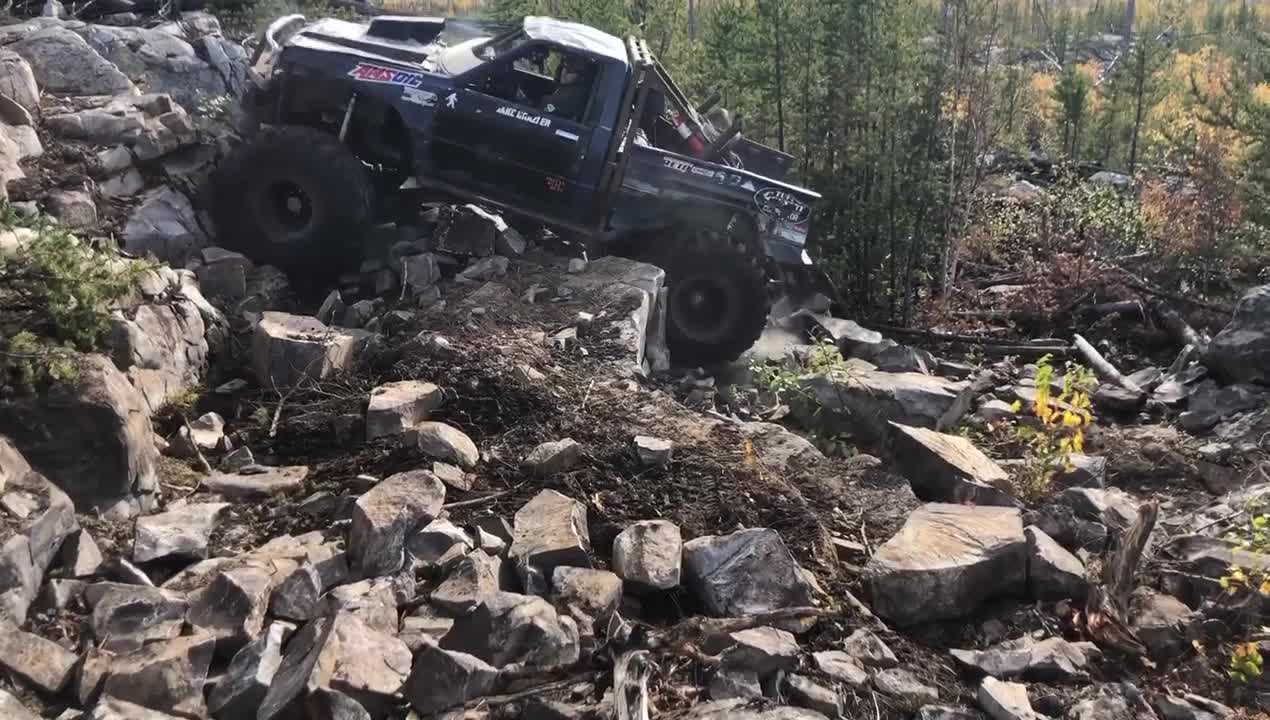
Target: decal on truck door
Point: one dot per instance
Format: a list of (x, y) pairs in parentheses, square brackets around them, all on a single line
[(419, 97)]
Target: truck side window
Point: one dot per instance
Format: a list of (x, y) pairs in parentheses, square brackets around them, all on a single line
[(574, 81)]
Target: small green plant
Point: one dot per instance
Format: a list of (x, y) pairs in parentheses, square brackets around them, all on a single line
[(1059, 431), (782, 380), (1245, 662), (216, 108)]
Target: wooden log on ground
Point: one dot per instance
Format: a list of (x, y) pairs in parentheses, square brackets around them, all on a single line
[(1180, 330), (1103, 367)]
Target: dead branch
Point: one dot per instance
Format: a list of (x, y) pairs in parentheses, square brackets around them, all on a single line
[(1103, 367), (477, 501), (1181, 331), (1015, 346), (198, 452), (1107, 606), (630, 685)]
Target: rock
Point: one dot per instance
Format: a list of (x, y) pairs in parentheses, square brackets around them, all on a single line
[(1073, 533), (1116, 399), (746, 709), (869, 650), (484, 269), (1110, 506), (240, 691), (551, 530), (446, 443), (653, 452), (238, 460), (29, 543), (649, 554), (127, 616), (396, 407), (183, 532), (1241, 351), (949, 468), (17, 81), (232, 608), (419, 272), (805, 692), (864, 400), (851, 339), (592, 594), (946, 561), (109, 708), (374, 602), (511, 628), (453, 476), (612, 281), (577, 265), (167, 676), (728, 683), (777, 448), (472, 581), (552, 458), (161, 61), (417, 631), (92, 438), (944, 712), (745, 573), (1085, 471), (1005, 700), (166, 226), (73, 208), (164, 346), (386, 515), (1190, 707), (332, 308), (63, 64), (1110, 701), (290, 349), (434, 541), (1160, 622), (996, 411), (442, 679), (762, 650), (223, 274), (63, 594), (842, 668), (902, 358), (1050, 659), (358, 315), (257, 482), (1052, 572), (44, 664), (12, 708), (904, 686)]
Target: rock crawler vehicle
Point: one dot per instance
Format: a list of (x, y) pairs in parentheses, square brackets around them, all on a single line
[(553, 121)]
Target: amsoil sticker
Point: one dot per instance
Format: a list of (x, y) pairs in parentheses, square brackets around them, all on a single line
[(419, 97), (781, 205), (525, 117), (369, 72)]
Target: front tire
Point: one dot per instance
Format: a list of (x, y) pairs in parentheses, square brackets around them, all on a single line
[(293, 197), (717, 307)]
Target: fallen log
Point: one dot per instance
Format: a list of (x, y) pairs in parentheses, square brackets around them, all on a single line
[(1103, 367), (1124, 307), (1177, 327), (1008, 346)]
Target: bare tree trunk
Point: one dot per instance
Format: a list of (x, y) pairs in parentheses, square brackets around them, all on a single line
[(692, 20), (1126, 28)]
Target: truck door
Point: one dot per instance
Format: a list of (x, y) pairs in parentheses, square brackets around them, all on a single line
[(519, 130)]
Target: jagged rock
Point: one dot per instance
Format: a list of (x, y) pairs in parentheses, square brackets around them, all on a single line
[(1160, 622), (446, 443), (995, 411), (374, 602), (1074, 533), (484, 269), (73, 208), (453, 476), (946, 560), (805, 692), (223, 274), (127, 616), (551, 530), (442, 679), (290, 349), (1110, 506), (863, 400), (1050, 659), (1116, 399), (396, 407), (620, 282), (944, 712), (158, 60), (1084, 471), (42, 663), (164, 225), (552, 458), (433, 541), (1241, 351), (778, 449), (746, 709), (649, 554), (472, 581), (232, 608), (62, 594), (164, 346), (387, 514), (902, 358), (869, 650), (1005, 700), (28, 545), (109, 708), (298, 595), (1110, 701), (904, 686), (166, 676), (1190, 707), (949, 468), (592, 594), (92, 437), (744, 573), (416, 631), (63, 64), (419, 272), (251, 671), (345, 655), (731, 683), (1052, 572), (256, 482), (183, 531), (842, 668), (511, 628), (17, 81), (358, 315), (852, 339), (238, 460), (762, 650), (653, 452)]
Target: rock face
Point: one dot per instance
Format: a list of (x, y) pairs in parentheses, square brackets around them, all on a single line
[(649, 554), (66, 65), (1241, 352), (945, 561), (162, 347), (551, 530), (745, 573), (161, 61), (387, 514), (183, 532), (289, 349), (93, 439), (864, 400), (949, 468), (397, 407), (29, 545)]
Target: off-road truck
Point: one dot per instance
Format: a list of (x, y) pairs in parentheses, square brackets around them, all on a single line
[(552, 121)]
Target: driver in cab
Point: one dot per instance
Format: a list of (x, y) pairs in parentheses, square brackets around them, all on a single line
[(573, 88)]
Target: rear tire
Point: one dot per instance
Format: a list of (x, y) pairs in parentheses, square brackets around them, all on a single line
[(717, 307), (293, 197)]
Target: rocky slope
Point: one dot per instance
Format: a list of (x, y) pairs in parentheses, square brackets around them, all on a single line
[(465, 485)]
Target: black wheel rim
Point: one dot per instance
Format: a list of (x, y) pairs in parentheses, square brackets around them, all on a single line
[(286, 209), (701, 307)]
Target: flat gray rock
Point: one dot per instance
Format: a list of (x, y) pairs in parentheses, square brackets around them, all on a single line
[(649, 554), (745, 573), (180, 532), (385, 516)]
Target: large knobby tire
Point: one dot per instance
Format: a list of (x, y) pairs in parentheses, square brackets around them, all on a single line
[(293, 197), (717, 307)]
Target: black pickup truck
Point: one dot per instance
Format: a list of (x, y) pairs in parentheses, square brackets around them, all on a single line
[(554, 121)]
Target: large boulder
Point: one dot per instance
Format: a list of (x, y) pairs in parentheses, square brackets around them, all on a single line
[(862, 400), (28, 545), (246, 681), (551, 530), (745, 573), (42, 663), (442, 679), (66, 65), (158, 61), (648, 554), (946, 561), (386, 515), (1241, 352), (182, 532), (166, 227), (949, 468), (166, 676), (162, 347), (90, 436), (621, 282), (17, 81), (290, 349), (512, 628)]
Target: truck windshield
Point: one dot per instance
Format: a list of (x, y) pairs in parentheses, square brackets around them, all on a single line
[(500, 46)]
